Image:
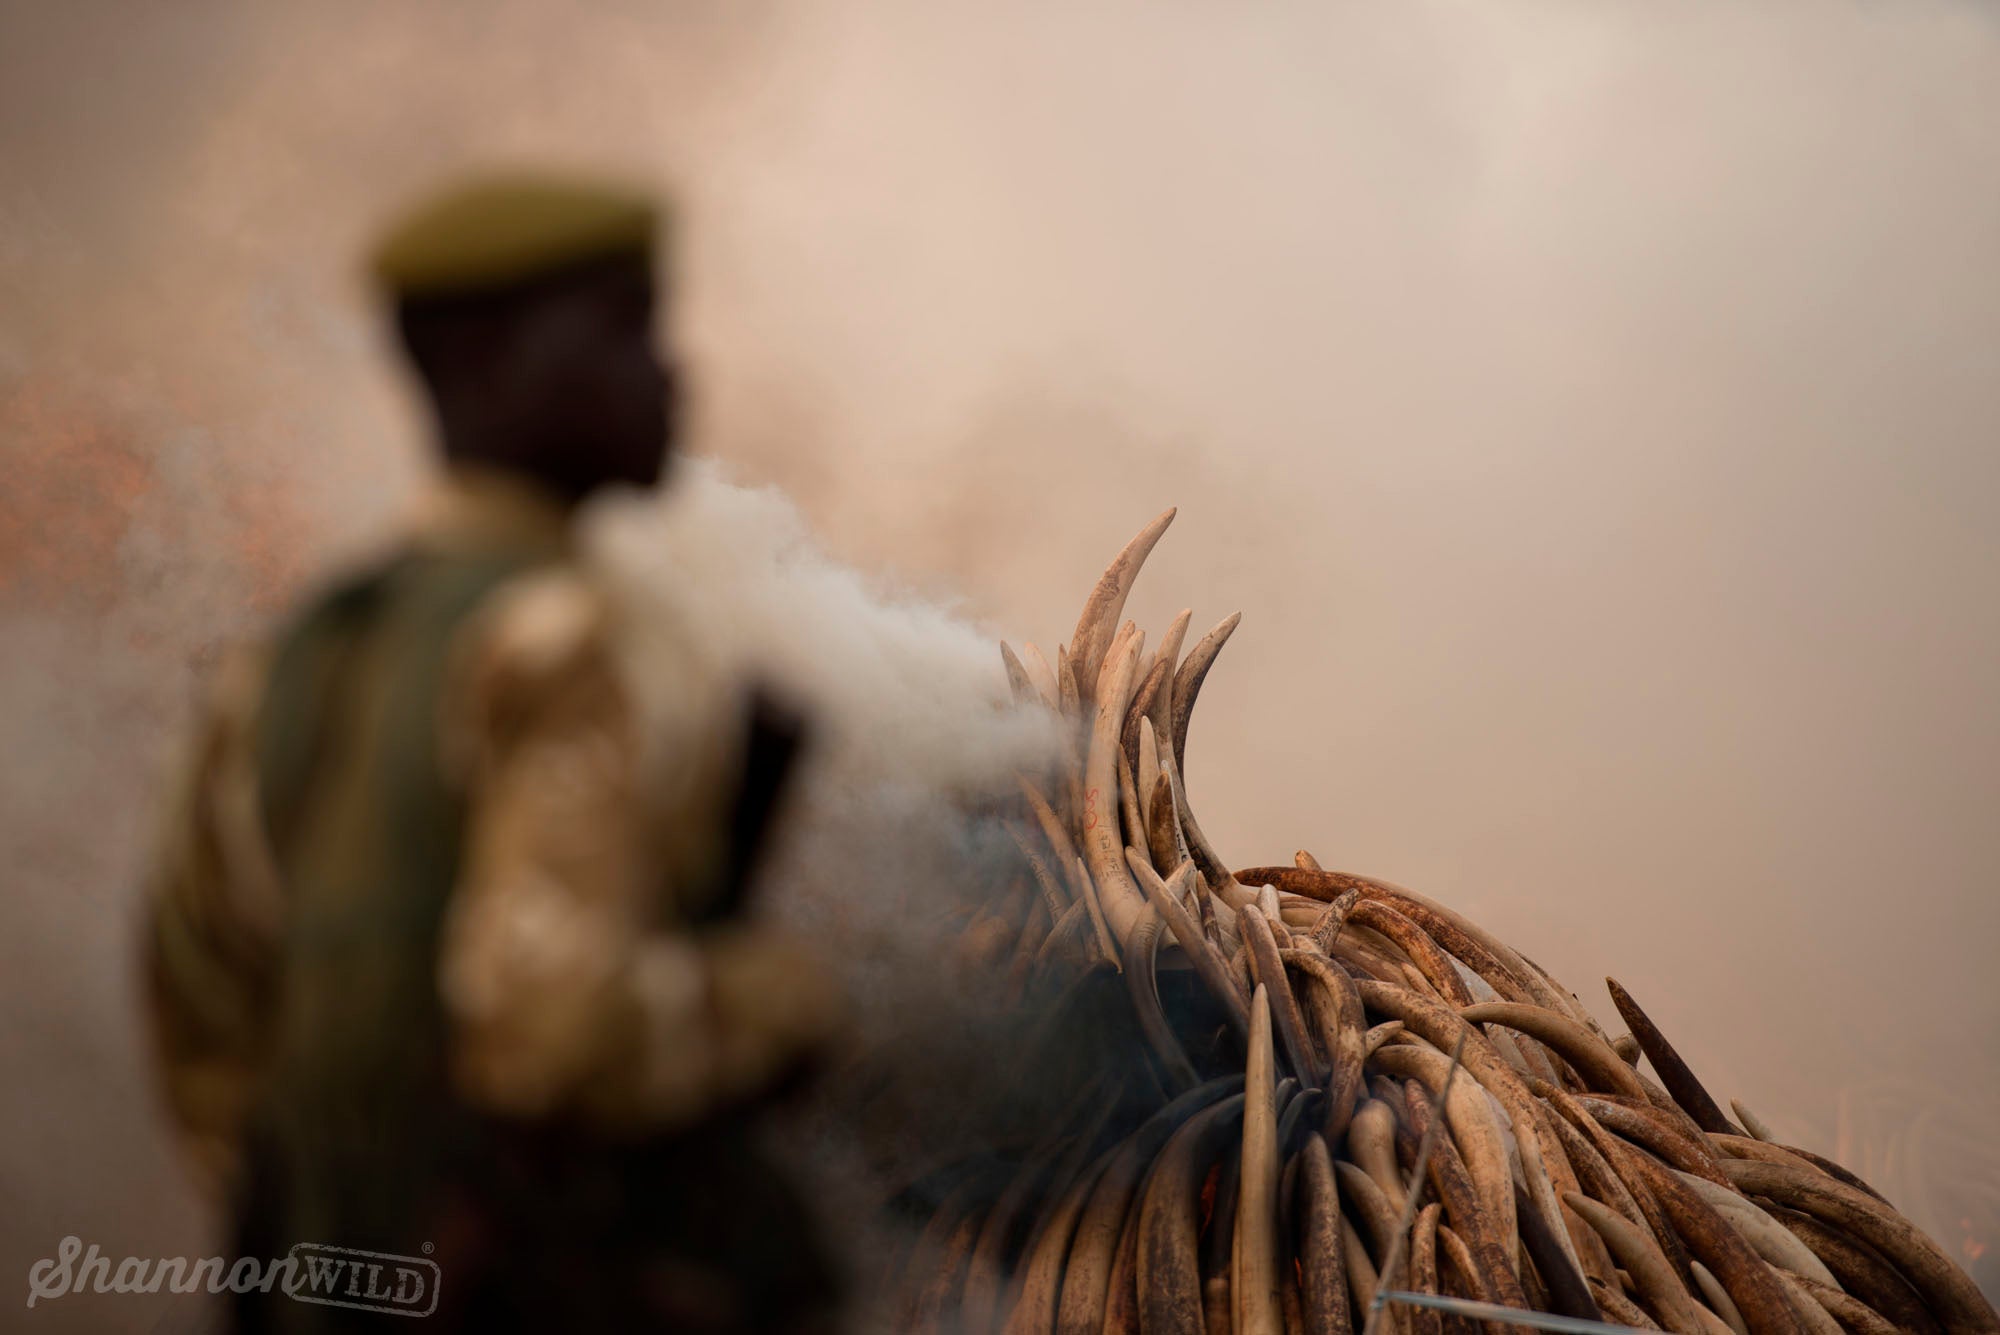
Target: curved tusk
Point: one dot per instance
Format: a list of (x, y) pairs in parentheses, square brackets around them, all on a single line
[(1336, 1010), (1772, 1240), (1268, 969), (1413, 941), (1254, 1268), (1041, 674), (1146, 777), (1944, 1287), (1208, 965), (1710, 1240), (1106, 942), (1190, 675), (1131, 820), (1371, 1147), (1729, 1317), (1492, 1257), (1094, 628), (1848, 1310), (1018, 681), (1659, 1287), (1322, 1268), (1474, 1128), (1068, 697), (1103, 844), (1751, 1121), (1862, 1272), (1440, 1026), (1137, 713), (1644, 1127), (1088, 1265), (1143, 987), (1592, 1058), (1162, 709)]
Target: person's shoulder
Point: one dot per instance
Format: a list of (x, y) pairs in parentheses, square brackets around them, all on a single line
[(533, 658), (541, 623)]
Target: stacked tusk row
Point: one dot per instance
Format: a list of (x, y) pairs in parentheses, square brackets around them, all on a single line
[(1238, 1155)]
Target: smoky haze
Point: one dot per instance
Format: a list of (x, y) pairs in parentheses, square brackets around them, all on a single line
[(1591, 408)]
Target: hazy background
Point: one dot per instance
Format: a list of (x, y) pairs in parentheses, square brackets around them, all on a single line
[(1591, 407)]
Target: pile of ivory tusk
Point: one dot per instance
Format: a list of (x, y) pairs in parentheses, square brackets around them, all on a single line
[(1289, 1032)]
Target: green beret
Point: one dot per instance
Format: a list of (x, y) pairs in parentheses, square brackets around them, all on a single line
[(501, 231)]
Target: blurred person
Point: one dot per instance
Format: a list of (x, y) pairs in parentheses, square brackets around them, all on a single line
[(443, 951)]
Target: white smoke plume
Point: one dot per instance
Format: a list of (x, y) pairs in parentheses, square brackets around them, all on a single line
[(908, 695), (885, 844)]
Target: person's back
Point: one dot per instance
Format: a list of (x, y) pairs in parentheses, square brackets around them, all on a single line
[(412, 956)]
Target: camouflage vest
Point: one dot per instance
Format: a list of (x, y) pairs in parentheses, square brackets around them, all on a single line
[(356, 1141)]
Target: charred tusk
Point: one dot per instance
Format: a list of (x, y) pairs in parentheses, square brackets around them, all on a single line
[(1591, 1057), (1944, 1287), (1681, 1083), (1101, 1226), (1849, 1311), (1644, 1126), (1413, 941), (1713, 1243), (1424, 1269), (1386, 1032), (1772, 1240), (1569, 1292), (1322, 1268), (1167, 1259), (1474, 1129), (1742, 1147), (1441, 1026), (1493, 1260), (1617, 1307), (1861, 1271)]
